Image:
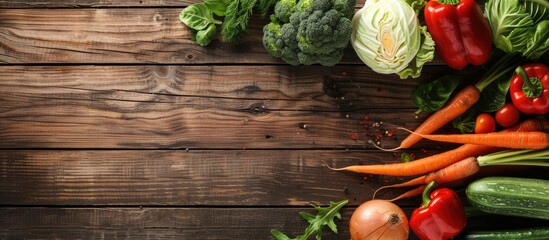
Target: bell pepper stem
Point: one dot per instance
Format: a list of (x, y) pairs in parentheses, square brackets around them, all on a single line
[(425, 195), (532, 87), (522, 73), (449, 2)]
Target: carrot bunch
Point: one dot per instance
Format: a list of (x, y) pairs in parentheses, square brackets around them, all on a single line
[(462, 162)]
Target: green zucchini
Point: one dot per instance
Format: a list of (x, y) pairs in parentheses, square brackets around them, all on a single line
[(529, 233), (511, 196)]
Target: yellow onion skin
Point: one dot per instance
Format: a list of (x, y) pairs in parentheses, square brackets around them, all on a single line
[(378, 219)]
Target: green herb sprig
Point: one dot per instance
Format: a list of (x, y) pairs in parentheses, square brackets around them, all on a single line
[(203, 18), (324, 217)]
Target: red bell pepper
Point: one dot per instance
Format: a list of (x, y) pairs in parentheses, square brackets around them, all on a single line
[(441, 215), (461, 33), (529, 89)]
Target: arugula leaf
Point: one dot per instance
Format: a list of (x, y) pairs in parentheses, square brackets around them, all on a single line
[(324, 217), (431, 96)]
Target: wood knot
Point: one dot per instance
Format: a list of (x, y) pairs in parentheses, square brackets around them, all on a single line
[(257, 108), (330, 88)]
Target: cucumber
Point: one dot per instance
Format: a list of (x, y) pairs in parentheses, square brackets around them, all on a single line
[(511, 196), (530, 234)]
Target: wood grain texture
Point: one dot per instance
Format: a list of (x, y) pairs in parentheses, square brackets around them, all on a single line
[(155, 223), (123, 36), (200, 107), (189, 178), (102, 3)]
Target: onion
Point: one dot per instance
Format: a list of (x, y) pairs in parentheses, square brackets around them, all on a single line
[(378, 219)]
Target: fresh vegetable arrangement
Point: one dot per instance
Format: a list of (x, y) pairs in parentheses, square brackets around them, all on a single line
[(502, 116)]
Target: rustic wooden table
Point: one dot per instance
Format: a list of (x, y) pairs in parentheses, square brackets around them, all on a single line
[(114, 124)]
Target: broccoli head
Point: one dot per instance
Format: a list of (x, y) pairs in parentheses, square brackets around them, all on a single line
[(316, 32), (284, 9)]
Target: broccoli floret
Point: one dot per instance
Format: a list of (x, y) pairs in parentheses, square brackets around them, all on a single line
[(284, 9), (272, 40), (344, 8), (316, 32)]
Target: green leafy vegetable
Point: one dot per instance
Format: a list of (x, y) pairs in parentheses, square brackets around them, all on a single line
[(406, 157), (325, 217), (466, 121), (433, 95), (198, 17), (204, 37), (236, 13), (388, 37), (520, 26), (218, 7)]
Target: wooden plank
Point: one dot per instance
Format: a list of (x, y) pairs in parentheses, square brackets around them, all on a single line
[(122, 35), (102, 3), (191, 223), (157, 223), (186, 178), (201, 107)]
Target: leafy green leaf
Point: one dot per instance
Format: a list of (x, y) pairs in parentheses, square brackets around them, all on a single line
[(519, 26), (218, 7), (324, 217), (425, 54), (466, 121), (510, 24), (204, 37), (417, 5), (406, 157), (539, 42), (494, 95), (431, 96), (538, 9), (279, 235), (197, 16)]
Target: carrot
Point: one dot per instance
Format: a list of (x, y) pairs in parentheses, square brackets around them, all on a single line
[(410, 193), (462, 101), (523, 140), (441, 160), (454, 172), (469, 166)]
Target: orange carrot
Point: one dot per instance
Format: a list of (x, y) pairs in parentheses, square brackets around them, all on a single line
[(462, 100), (457, 105), (410, 193), (523, 140), (470, 166), (441, 160), (459, 170)]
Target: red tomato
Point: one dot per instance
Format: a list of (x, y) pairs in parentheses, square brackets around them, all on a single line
[(508, 115), (485, 123)]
